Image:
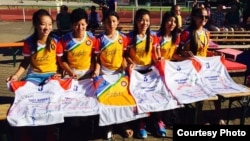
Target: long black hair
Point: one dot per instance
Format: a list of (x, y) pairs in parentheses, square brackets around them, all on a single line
[(138, 17), (192, 28), (36, 21), (162, 30)]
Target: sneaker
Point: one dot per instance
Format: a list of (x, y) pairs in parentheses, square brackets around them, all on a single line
[(109, 135), (142, 133), (142, 130), (222, 122), (160, 129)]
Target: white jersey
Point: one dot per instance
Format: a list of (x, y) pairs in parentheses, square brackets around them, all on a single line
[(80, 99), (215, 76), (116, 103), (36, 105), (183, 81), (150, 92)]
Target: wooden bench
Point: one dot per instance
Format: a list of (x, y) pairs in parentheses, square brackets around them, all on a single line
[(230, 39), (11, 45), (3, 111), (244, 97)]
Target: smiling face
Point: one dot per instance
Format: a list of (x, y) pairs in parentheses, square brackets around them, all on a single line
[(79, 28), (111, 23), (170, 24), (143, 23), (201, 18), (45, 26)]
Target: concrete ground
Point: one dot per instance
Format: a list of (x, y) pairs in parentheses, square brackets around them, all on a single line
[(16, 31)]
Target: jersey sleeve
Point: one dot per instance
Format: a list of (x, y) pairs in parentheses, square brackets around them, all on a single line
[(184, 37), (125, 42), (97, 45), (59, 49), (178, 40), (26, 49), (155, 42)]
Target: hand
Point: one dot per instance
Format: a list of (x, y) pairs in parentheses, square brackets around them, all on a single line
[(74, 76), (12, 78), (95, 74), (131, 66), (57, 75)]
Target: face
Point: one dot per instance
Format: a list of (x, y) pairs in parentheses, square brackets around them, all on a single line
[(143, 23), (201, 19), (80, 27), (45, 26), (170, 24), (177, 10), (111, 23)]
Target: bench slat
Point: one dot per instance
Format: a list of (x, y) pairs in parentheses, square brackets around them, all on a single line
[(11, 44)]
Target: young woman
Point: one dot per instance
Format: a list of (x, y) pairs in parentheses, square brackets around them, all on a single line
[(78, 45), (141, 51), (168, 37), (111, 46), (78, 62), (168, 42), (41, 53), (110, 59), (195, 41)]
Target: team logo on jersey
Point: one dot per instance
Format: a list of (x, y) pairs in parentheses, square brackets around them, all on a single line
[(124, 83), (88, 42), (120, 41)]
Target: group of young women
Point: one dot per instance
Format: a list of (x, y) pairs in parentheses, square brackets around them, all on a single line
[(80, 54)]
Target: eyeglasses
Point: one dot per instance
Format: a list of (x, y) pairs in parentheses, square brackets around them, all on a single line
[(202, 17)]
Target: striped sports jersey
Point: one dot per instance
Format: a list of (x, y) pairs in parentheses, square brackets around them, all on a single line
[(215, 76), (43, 58), (183, 81), (203, 38), (36, 105), (138, 54), (117, 105), (167, 47), (80, 99), (79, 53), (111, 51), (150, 92)]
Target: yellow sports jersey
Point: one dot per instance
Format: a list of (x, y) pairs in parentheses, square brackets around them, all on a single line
[(203, 38), (139, 55), (179, 21), (43, 58), (79, 53), (113, 90), (111, 51), (168, 48)]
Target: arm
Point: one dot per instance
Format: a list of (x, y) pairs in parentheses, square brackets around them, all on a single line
[(97, 65), (115, 3), (21, 69), (62, 61)]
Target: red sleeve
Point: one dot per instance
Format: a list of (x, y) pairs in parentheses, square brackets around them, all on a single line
[(94, 43), (59, 49), (155, 41), (129, 40), (97, 45), (184, 37), (177, 40), (26, 49), (125, 42)]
